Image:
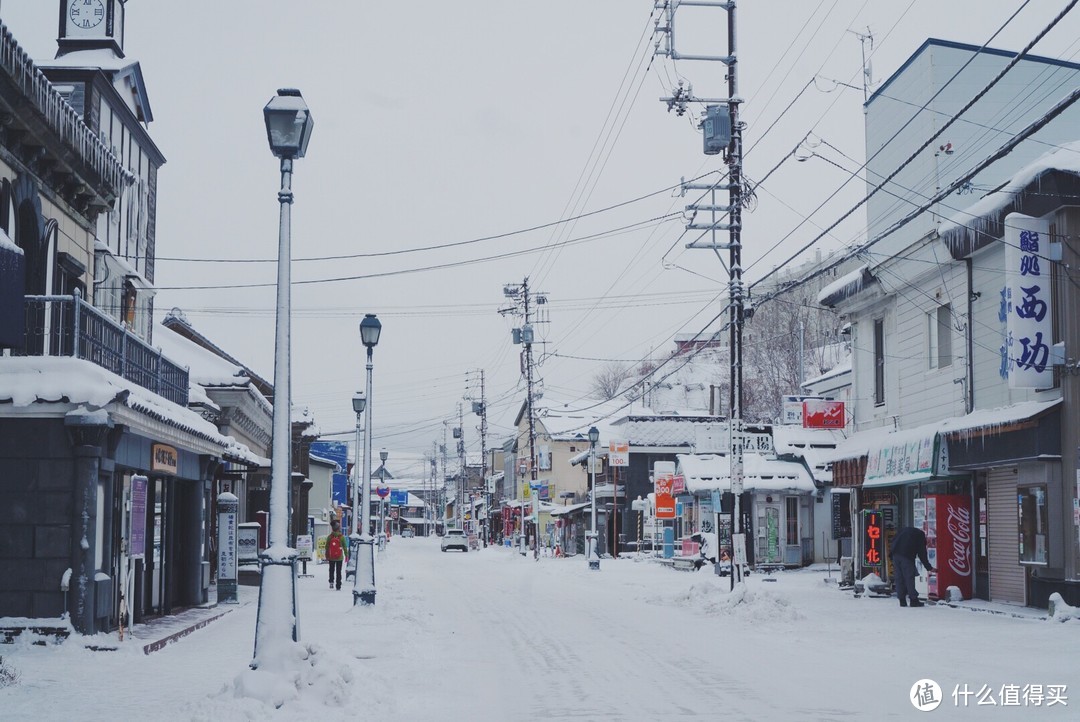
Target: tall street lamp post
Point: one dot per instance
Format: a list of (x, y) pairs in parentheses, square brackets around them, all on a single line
[(382, 500), (364, 578), (359, 401), (288, 129), (593, 554)]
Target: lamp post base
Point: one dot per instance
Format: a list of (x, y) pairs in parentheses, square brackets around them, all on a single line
[(364, 577), (276, 611), (591, 553)]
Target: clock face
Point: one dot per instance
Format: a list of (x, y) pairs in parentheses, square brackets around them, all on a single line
[(86, 14)]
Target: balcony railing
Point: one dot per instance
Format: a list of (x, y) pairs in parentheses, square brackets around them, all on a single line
[(60, 116), (69, 326)]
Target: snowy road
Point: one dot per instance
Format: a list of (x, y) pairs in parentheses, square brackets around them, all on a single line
[(490, 635)]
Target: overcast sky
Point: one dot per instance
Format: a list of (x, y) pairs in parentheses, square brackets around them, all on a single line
[(440, 122)]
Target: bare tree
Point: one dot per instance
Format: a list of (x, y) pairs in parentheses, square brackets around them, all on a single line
[(608, 381)]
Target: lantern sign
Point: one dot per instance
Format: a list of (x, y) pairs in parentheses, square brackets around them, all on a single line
[(872, 539), (1026, 304)]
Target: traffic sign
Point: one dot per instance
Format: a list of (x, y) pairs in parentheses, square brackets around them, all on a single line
[(382, 491)]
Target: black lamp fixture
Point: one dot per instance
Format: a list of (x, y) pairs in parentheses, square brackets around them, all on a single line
[(288, 124), (594, 436), (370, 328), (359, 402)]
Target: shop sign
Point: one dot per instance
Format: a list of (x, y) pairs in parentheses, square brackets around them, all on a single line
[(163, 459), (871, 539), (305, 547), (901, 459), (665, 501), (678, 485), (619, 453), (1026, 304), (137, 534), (247, 542), (821, 414)]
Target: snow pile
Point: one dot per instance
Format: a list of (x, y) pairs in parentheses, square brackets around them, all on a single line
[(713, 598), (1060, 611), (315, 674)]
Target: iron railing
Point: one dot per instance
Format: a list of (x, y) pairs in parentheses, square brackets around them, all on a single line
[(69, 326), (60, 116)]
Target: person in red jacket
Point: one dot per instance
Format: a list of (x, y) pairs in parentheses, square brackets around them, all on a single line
[(335, 553)]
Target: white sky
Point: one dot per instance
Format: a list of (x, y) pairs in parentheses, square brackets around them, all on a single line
[(440, 122), (548, 639)]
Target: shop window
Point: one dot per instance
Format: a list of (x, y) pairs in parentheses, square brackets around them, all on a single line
[(939, 335), (792, 508), (1034, 524), (879, 362)]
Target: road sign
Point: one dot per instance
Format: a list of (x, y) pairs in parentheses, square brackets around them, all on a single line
[(619, 453), (382, 491), (399, 498)]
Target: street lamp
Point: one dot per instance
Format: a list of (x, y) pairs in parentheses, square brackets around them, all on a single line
[(592, 553), (364, 578), (359, 401), (288, 129), (382, 501)]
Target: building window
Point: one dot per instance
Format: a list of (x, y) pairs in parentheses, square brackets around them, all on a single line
[(879, 362), (939, 333), (1034, 524), (792, 503)]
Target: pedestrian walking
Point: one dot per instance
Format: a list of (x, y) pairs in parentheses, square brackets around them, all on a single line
[(335, 553), (908, 544)]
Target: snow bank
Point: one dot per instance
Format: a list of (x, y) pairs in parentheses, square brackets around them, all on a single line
[(713, 598), (1060, 611)]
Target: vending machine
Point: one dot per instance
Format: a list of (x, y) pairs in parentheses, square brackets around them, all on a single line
[(947, 523)]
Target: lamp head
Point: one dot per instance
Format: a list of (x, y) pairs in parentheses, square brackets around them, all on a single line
[(359, 402), (370, 328), (594, 435), (383, 453), (288, 124)]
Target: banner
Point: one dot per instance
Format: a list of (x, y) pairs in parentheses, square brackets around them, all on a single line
[(1026, 304)]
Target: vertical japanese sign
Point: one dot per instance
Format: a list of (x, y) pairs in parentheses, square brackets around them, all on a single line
[(871, 539), (1025, 304), (137, 535), (665, 502)]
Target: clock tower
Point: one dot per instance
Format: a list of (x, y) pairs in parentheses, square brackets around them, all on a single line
[(91, 24)]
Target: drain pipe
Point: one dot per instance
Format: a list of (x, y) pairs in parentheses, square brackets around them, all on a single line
[(969, 396)]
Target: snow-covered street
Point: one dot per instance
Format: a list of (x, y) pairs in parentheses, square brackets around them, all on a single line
[(490, 635)]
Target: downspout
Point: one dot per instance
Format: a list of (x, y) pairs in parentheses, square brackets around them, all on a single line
[(969, 400)]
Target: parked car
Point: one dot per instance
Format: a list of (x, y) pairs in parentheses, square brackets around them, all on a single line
[(407, 533), (455, 539)]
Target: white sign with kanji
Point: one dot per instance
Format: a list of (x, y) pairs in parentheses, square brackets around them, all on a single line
[(619, 453), (1026, 304)]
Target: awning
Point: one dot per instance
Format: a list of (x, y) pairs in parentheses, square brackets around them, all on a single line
[(902, 457)]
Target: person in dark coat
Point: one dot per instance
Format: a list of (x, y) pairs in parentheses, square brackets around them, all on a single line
[(908, 544)]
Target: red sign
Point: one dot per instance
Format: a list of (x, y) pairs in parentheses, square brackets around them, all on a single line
[(872, 538), (678, 485), (382, 491), (665, 502), (820, 414), (949, 536)]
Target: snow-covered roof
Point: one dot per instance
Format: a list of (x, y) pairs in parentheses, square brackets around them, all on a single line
[(204, 368), (844, 287), (815, 446), (26, 381), (666, 430), (705, 472), (981, 222), (569, 509), (844, 367), (302, 416), (324, 461)]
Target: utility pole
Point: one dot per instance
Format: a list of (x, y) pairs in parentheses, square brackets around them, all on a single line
[(445, 492), (480, 409), (722, 134), (522, 297), (459, 434)]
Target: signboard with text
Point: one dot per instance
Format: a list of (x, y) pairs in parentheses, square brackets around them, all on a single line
[(1026, 305), (665, 500), (871, 539), (619, 453), (137, 535), (820, 414)]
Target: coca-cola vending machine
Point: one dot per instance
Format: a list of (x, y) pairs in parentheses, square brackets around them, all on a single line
[(947, 523)]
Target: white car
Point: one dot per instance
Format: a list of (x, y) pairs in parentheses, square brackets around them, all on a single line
[(455, 539)]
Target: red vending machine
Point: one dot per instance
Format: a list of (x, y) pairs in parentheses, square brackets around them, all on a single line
[(948, 544)]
